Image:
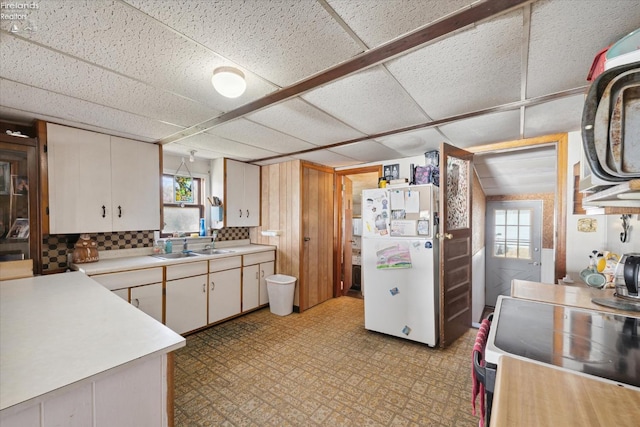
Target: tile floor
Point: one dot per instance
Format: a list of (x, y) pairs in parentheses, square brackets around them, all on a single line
[(319, 368)]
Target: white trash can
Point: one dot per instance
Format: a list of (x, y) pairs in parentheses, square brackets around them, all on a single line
[(281, 289)]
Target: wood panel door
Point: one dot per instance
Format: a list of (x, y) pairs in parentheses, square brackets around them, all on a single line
[(347, 254), (456, 167), (317, 233)]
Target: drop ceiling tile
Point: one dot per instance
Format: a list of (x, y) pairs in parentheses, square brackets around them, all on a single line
[(275, 161), (471, 70), (214, 143), (118, 37), (327, 158), (62, 74), (184, 149), (561, 115), (254, 134), (370, 101), (39, 102), (580, 28), (301, 120), (489, 128), (282, 41), (414, 143), (367, 151), (378, 21)]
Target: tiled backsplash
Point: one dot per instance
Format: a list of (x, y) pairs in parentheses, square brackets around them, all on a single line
[(56, 247)]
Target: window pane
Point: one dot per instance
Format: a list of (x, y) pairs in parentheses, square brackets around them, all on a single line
[(512, 217), (512, 232), (500, 217), (525, 217), (179, 219), (167, 189), (499, 250), (524, 251)]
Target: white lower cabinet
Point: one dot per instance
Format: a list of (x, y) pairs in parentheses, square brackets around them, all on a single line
[(250, 287), (255, 269), (186, 296), (148, 298), (224, 294), (266, 269), (122, 293)]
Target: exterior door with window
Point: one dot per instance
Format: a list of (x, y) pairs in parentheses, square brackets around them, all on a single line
[(514, 237)]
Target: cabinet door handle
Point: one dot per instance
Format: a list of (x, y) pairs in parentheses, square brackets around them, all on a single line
[(136, 303), (104, 211), (261, 273), (240, 210), (257, 277), (204, 288), (119, 211), (247, 213), (213, 286)]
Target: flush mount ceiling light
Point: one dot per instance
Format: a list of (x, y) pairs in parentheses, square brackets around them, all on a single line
[(228, 81)]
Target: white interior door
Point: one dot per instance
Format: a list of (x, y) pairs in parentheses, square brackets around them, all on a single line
[(514, 240)]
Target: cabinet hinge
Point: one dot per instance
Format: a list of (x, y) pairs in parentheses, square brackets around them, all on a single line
[(47, 210), (45, 148)]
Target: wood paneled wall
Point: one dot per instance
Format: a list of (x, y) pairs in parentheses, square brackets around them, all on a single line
[(281, 207), (297, 200)]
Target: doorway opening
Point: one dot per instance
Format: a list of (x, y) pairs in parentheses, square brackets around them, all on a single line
[(553, 248), (349, 227)]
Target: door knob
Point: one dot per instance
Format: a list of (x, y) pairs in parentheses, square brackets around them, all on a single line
[(306, 239), (444, 236), (535, 263)]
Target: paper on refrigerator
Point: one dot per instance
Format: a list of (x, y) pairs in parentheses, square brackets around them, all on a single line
[(375, 212)]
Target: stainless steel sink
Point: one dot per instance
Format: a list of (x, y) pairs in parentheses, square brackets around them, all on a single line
[(213, 251), (176, 255)]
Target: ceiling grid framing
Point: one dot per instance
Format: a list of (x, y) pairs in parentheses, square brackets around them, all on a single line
[(477, 12)]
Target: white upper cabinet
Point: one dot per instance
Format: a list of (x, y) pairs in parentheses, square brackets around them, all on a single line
[(135, 185), (100, 183), (238, 185)]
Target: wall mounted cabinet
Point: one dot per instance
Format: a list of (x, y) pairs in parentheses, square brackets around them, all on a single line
[(237, 184), (101, 183)]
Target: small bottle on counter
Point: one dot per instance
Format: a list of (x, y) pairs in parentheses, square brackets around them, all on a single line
[(203, 230), (157, 247), (168, 247)]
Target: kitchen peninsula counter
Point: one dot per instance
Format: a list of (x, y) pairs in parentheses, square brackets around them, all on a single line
[(68, 342)]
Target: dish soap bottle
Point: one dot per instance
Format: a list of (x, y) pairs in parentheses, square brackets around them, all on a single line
[(168, 247), (157, 247)]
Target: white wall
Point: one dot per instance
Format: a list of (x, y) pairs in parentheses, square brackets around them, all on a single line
[(171, 163), (478, 286), (607, 235)]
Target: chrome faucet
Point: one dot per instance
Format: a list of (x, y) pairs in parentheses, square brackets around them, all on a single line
[(185, 245)]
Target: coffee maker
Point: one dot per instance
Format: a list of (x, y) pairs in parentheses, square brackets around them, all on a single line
[(627, 277)]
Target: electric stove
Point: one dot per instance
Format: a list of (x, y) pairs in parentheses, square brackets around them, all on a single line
[(604, 346)]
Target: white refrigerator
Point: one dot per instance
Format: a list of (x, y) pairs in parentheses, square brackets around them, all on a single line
[(400, 262)]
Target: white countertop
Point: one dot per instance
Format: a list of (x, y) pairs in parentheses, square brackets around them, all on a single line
[(113, 265), (60, 329)]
